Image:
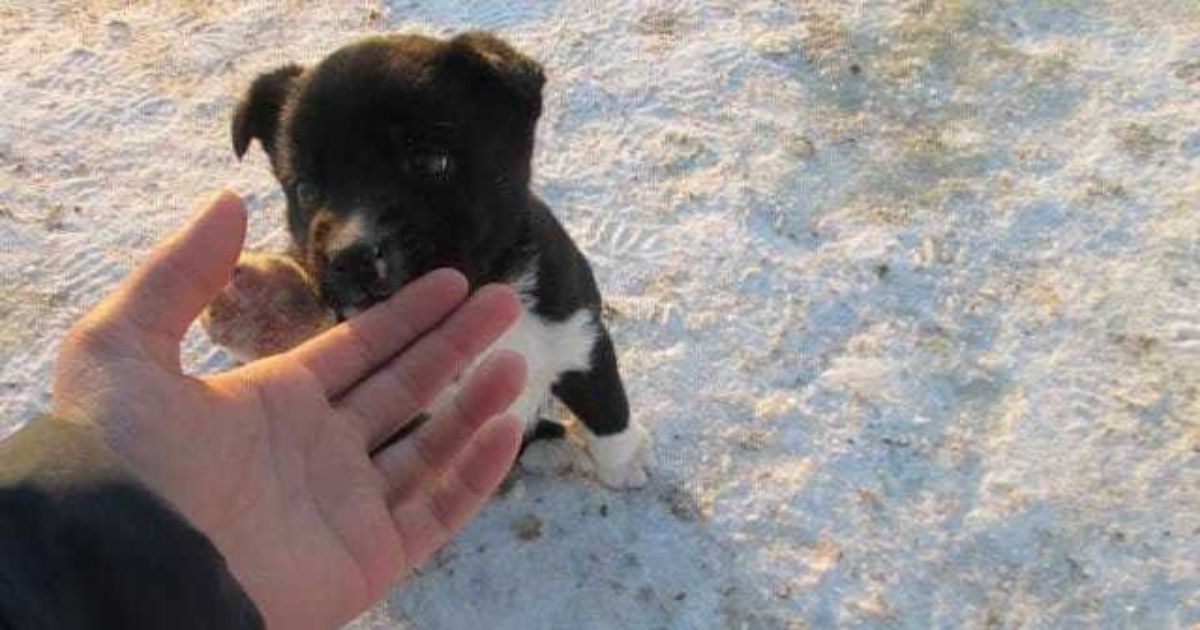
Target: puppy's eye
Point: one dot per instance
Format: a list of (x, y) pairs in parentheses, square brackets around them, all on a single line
[(307, 193), (434, 165)]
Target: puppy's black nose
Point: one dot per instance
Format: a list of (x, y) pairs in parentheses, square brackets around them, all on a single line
[(360, 271)]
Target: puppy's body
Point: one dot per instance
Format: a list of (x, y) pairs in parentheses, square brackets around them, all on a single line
[(551, 348), (399, 155)]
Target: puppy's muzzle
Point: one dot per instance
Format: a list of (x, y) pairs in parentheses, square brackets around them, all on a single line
[(360, 275)]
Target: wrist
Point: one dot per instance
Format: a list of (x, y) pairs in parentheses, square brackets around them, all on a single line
[(84, 544)]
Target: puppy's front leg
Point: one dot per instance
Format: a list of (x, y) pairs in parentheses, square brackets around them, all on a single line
[(620, 446)]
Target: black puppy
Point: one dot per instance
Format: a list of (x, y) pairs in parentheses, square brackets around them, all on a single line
[(402, 154)]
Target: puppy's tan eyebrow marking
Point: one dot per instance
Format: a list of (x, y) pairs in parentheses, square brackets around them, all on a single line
[(348, 234)]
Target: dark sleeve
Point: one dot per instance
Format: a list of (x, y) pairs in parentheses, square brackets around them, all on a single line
[(84, 545)]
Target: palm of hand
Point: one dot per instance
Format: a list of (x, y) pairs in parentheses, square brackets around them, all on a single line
[(276, 461)]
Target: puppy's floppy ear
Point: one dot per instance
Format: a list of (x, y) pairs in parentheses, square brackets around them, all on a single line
[(517, 74), (257, 115)]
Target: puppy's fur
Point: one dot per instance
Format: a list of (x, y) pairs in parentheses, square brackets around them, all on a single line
[(402, 154), (269, 306)]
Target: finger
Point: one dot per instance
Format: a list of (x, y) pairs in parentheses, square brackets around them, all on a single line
[(348, 352), (162, 297), (382, 403), (420, 459), (428, 521)]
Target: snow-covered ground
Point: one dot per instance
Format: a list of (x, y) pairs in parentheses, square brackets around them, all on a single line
[(906, 291)]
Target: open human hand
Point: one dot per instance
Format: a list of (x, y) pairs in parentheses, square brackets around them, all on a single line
[(278, 461)]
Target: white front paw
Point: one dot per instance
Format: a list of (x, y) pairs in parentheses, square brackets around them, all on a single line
[(623, 459)]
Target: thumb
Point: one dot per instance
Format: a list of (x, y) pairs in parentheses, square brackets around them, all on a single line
[(162, 297)]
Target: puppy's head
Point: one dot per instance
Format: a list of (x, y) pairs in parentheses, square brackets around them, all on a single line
[(399, 155)]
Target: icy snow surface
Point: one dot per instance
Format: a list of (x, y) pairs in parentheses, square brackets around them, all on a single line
[(906, 291)]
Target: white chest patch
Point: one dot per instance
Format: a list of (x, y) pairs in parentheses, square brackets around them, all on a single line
[(550, 349)]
